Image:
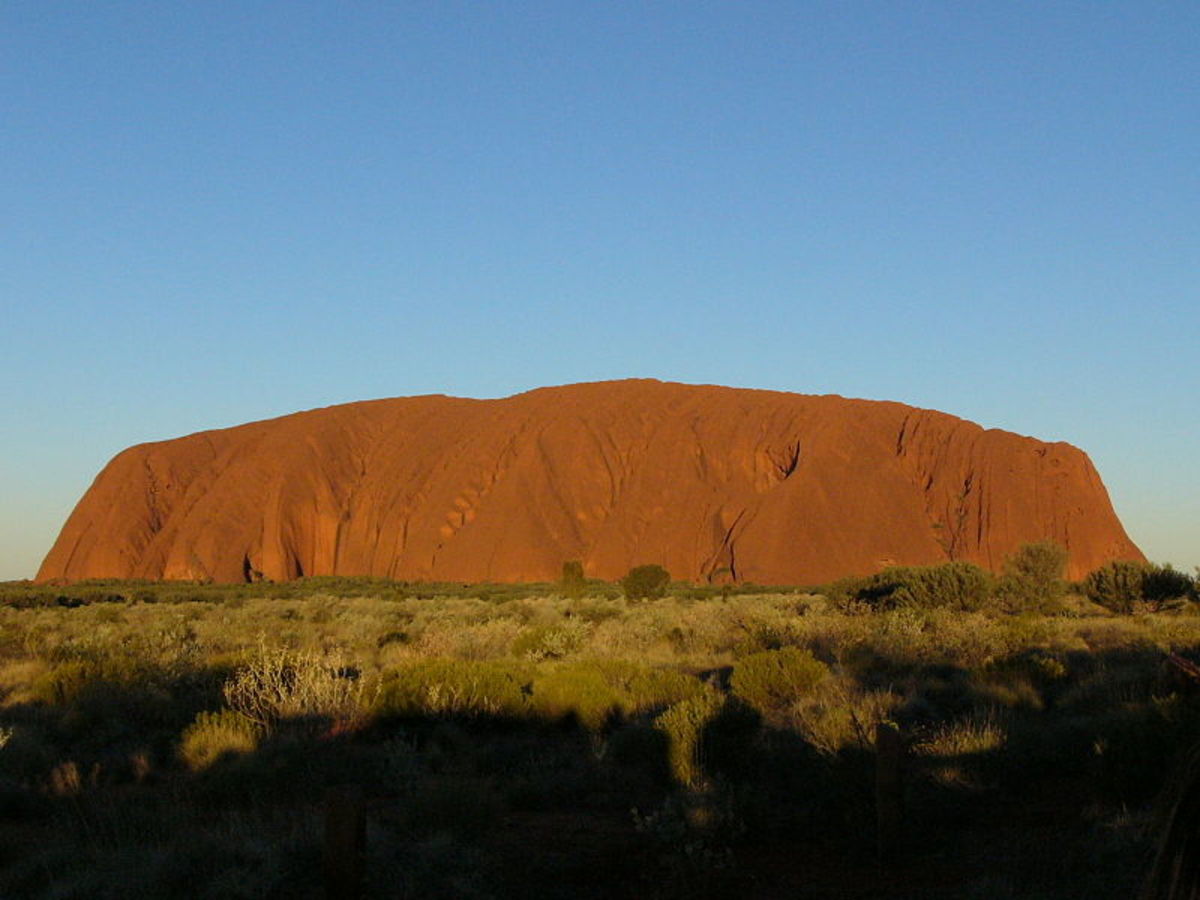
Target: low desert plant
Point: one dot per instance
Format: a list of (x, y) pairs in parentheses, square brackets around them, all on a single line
[(771, 681), (684, 725), (956, 585), (575, 689), (963, 737), (63, 684), (643, 688), (1123, 586), (551, 642), (279, 684), (455, 687), (214, 735), (1004, 701), (474, 640), (837, 715), (693, 832), (595, 690)]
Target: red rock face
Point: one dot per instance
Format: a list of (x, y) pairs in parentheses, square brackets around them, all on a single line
[(714, 483)]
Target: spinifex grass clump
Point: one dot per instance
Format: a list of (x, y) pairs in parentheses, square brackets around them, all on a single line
[(215, 735), (973, 734)]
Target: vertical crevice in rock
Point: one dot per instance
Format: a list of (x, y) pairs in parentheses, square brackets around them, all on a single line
[(725, 556)]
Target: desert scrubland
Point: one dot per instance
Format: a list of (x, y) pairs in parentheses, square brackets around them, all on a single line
[(588, 739)]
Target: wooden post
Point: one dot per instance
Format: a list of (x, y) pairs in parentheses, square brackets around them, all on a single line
[(1176, 871), (345, 842), (889, 791)]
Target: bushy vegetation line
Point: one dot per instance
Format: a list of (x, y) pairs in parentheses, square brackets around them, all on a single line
[(1031, 581), (1125, 587), (161, 740)]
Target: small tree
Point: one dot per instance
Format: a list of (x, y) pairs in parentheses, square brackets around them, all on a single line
[(1116, 585), (1164, 586), (1125, 587), (1033, 575), (572, 582), (645, 582)]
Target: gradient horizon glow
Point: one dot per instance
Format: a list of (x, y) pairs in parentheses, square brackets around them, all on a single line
[(220, 213)]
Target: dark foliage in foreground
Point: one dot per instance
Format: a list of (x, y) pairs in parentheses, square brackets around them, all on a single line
[(163, 740)]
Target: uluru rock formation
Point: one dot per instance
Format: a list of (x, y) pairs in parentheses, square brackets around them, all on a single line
[(714, 483)]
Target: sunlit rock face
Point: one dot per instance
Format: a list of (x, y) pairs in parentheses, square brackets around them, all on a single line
[(714, 483)]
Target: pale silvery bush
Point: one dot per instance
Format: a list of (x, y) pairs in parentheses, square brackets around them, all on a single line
[(280, 684)]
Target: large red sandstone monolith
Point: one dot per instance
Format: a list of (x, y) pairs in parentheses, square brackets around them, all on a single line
[(711, 482)]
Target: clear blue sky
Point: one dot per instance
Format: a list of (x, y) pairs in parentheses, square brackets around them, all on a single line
[(215, 212)]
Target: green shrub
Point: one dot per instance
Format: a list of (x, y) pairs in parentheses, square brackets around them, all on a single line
[(956, 585), (1116, 585), (551, 642), (455, 687), (63, 684), (845, 594), (575, 689), (774, 679), (1033, 577), (762, 636), (643, 688), (215, 734), (646, 582), (1124, 586), (1163, 586), (595, 690), (684, 725)]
